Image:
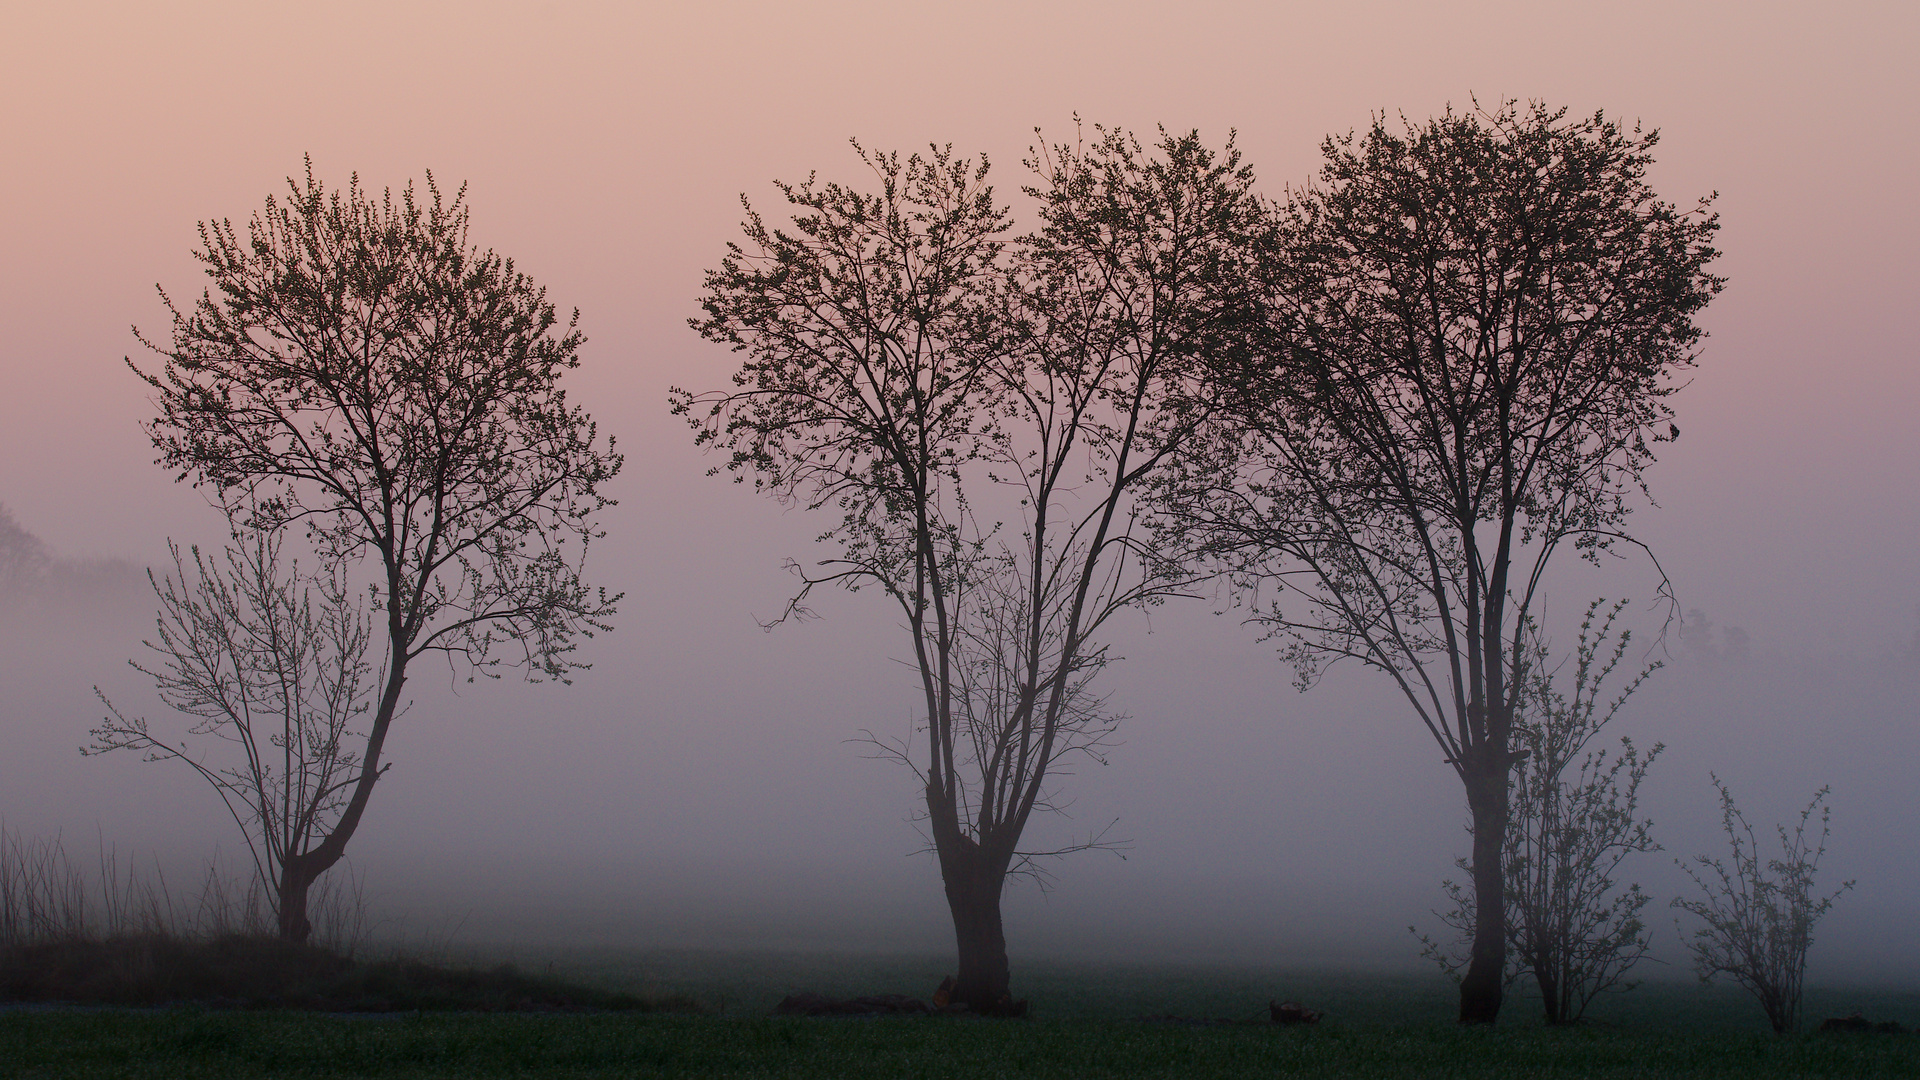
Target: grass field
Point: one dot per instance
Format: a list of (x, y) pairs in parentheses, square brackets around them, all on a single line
[(749, 983), (1090, 1020), (240, 1044)]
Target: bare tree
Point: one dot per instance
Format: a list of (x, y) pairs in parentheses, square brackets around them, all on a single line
[(279, 677), (1474, 328), (357, 369), (911, 367), (991, 666), (1759, 919), (1568, 925)]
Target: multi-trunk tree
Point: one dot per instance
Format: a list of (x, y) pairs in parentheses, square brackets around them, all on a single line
[(359, 372), (982, 411), (1473, 328)]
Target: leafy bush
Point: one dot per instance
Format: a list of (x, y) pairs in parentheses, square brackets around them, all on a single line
[(1759, 921), (1574, 820)]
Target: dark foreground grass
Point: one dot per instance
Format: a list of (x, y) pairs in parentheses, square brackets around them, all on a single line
[(749, 983), (241, 1044), (1087, 1022)]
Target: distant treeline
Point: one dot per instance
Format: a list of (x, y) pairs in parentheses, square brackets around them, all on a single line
[(30, 572)]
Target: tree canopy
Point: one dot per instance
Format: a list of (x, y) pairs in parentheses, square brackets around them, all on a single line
[(359, 370), (983, 412), (1474, 325)]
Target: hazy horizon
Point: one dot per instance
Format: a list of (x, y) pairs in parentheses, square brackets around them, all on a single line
[(696, 787)]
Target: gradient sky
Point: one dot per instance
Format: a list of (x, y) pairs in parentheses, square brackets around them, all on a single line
[(605, 148)]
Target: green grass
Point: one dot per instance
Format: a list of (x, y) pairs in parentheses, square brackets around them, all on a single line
[(1085, 1024), (240, 1044), (749, 983)]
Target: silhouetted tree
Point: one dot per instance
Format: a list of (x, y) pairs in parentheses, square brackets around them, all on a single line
[(277, 674), (1474, 327), (912, 368), (357, 369), (1759, 918)]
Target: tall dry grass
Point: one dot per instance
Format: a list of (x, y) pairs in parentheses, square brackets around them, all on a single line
[(46, 896)]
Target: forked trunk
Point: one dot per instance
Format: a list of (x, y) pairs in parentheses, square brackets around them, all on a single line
[(1550, 994), (296, 878), (299, 872), (974, 875), (1481, 989), (973, 895)]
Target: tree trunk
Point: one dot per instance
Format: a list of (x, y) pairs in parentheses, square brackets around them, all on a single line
[(296, 877), (973, 895), (1550, 994), (974, 875), (299, 872), (1481, 990)]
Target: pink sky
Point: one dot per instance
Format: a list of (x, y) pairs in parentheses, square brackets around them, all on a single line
[(605, 147)]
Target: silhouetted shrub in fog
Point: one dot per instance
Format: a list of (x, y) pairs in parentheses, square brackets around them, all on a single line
[(1759, 918), (1574, 821), (32, 576)]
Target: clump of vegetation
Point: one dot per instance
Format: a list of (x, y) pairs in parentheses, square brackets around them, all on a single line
[(42, 894), (1759, 920), (1574, 820), (34, 578), (46, 897)]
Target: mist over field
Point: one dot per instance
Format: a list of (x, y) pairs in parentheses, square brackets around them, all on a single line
[(705, 794), (703, 785)]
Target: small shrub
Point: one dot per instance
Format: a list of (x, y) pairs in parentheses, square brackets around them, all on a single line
[(1759, 920), (1574, 820)]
